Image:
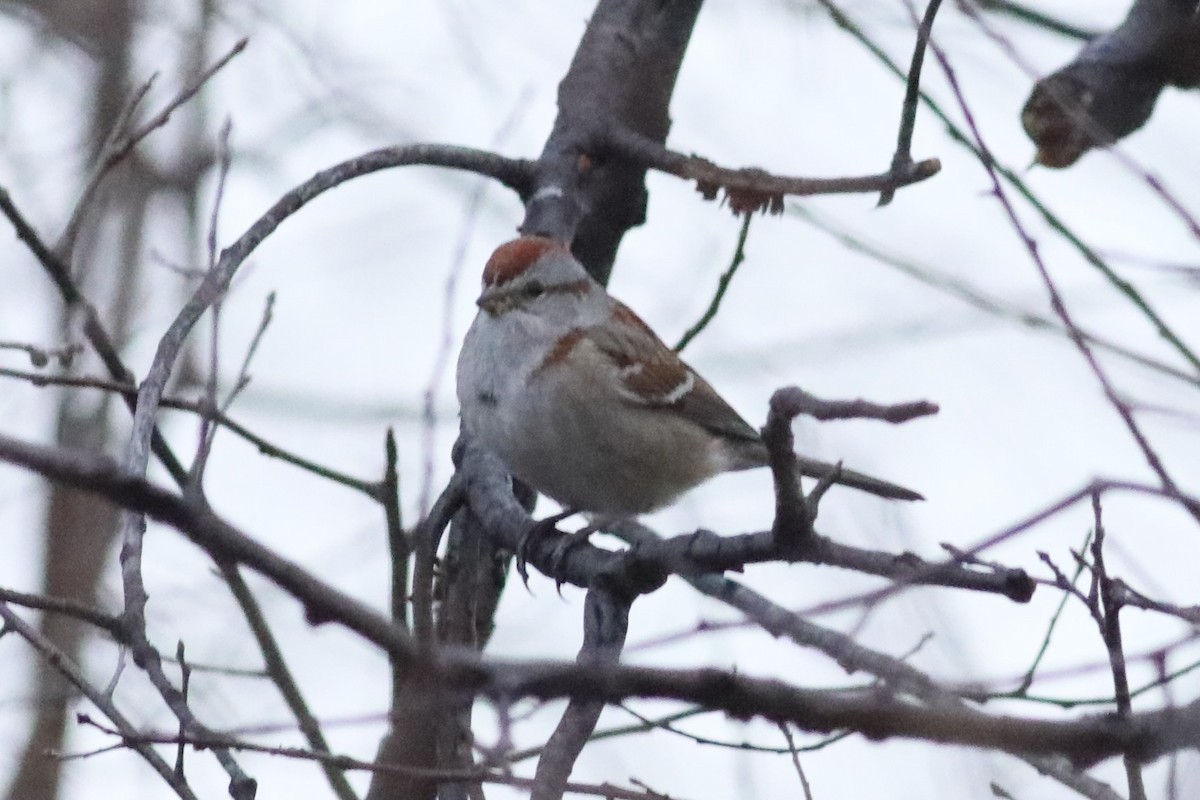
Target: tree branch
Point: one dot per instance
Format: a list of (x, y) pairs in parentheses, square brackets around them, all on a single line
[(1109, 90), (1085, 741), (750, 189), (68, 669)]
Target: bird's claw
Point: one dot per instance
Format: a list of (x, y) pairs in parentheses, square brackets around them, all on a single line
[(537, 531), (566, 544)]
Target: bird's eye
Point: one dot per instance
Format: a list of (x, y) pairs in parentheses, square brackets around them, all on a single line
[(534, 290)]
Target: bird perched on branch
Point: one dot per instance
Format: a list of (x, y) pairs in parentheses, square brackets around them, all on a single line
[(583, 402)]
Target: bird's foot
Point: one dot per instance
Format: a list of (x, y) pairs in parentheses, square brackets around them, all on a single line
[(537, 531), (568, 543)]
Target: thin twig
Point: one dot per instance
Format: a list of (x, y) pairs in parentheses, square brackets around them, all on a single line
[(787, 734), (207, 429), (961, 137), (1110, 631), (1076, 702), (200, 407), (666, 724), (1039, 19), (185, 679), (243, 376), (93, 328), (117, 149), (1056, 301), (644, 726), (399, 548), (41, 356), (974, 297), (1027, 680), (61, 605), (279, 673), (739, 255), (908, 115), (61, 663)]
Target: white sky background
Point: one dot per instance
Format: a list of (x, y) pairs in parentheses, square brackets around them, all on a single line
[(362, 275)]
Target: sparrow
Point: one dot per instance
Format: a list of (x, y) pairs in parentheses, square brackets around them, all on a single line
[(582, 401)]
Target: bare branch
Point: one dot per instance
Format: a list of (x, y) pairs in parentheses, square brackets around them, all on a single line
[(794, 401), (751, 189), (427, 536), (1109, 90), (1056, 301), (1085, 741), (964, 138), (224, 542), (643, 568), (739, 255), (72, 608), (279, 673), (41, 356), (899, 676), (1110, 630), (792, 530), (122, 141), (605, 625), (908, 117), (203, 409), (59, 661), (207, 430)]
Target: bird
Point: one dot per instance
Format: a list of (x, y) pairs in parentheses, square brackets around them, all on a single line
[(583, 402)]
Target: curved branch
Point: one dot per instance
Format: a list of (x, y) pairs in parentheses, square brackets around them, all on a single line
[(513, 173), (516, 174)]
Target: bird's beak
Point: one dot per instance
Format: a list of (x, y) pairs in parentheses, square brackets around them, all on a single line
[(491, 300)]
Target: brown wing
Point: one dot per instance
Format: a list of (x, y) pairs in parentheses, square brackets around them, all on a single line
[(652, 375)]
